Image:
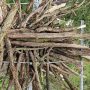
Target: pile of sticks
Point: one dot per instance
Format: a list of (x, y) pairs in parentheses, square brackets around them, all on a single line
[(32, 46)]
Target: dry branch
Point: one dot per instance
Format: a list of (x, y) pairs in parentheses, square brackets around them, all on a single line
[(8, 22), (69, 83), (36, 71), (12, 67), (48, 35), (34, 44), (1, 54)]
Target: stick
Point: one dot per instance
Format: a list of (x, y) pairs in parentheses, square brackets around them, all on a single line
[(36, 71), (48, 35), (63, 45), (12, 67), (8, 22), (47, 74), (69, 83), (1, 53)]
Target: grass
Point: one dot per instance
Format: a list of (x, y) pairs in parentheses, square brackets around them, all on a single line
[(76, 80)]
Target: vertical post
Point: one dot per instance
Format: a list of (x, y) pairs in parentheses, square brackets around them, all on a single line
[(36, 4), (30, 87), (82, 43)]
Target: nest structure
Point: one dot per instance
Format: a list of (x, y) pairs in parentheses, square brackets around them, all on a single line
[(33, 46)]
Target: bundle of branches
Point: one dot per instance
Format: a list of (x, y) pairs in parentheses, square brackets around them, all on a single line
[(34, 46)]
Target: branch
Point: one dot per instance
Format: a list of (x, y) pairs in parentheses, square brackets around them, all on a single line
[(12, 67)]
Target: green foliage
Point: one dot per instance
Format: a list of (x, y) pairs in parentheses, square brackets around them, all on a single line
[(87, 74), (81, 14), (25, 1), (22, 1), (3, 81)]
